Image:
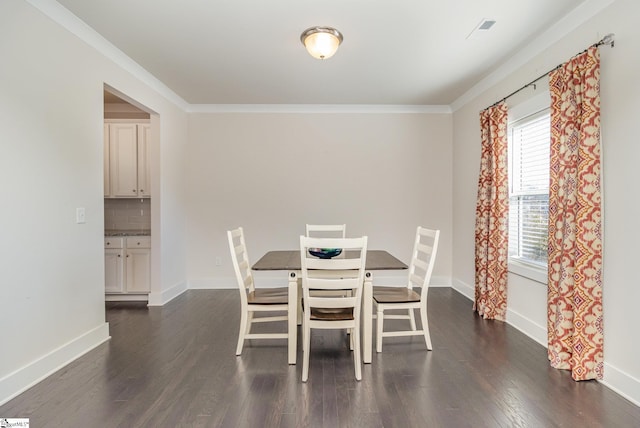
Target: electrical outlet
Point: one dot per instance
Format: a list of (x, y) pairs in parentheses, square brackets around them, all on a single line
[(218, 261), (80, 215)]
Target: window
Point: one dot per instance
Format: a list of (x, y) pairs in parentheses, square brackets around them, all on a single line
[(529, 195)]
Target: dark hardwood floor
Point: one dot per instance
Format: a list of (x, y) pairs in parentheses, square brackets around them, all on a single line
[(175, 366)]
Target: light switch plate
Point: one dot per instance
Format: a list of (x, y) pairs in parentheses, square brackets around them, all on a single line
[(80, 215)]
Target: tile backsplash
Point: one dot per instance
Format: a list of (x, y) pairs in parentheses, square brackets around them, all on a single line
[(127, 214)]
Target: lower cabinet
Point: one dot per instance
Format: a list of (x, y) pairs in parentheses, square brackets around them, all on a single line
[(127, 265), (114, 265)]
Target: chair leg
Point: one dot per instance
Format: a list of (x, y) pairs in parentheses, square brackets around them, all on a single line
[(300, 312), (306, 345), (243, 330), (250, 315), (425, 328), (412, 319), (356, 353), (379, 324)]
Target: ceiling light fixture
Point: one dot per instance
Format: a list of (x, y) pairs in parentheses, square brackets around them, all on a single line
[(321, 42)]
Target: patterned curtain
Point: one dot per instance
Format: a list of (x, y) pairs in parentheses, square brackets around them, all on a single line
[(574, 326), (492, 215)]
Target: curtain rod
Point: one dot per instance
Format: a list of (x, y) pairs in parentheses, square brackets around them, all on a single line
[(606, 40)]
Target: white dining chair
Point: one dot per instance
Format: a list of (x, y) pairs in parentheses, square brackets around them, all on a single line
[(252, 299), (334, 311), (406, 297), (326, 230)]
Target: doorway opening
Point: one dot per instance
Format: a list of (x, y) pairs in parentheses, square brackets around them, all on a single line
[(129, 151)]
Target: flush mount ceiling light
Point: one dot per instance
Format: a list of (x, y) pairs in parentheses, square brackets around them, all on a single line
[(321, 42)]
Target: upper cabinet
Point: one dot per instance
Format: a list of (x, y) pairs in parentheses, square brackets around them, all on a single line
[(127, 173)]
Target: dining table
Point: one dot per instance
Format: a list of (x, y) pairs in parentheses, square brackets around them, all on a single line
[(289, 261)]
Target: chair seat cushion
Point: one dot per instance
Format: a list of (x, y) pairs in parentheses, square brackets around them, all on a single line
[(395, 295), (269, 296), (331, 314)]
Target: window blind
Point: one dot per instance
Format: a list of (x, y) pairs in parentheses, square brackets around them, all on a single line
[(529, 189)]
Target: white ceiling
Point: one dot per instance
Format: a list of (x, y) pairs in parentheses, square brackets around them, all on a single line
[(395, 52)]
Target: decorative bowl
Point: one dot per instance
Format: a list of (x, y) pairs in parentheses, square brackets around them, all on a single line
[(325, 253)]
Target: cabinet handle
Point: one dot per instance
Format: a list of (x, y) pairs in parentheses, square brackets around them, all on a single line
[(108, 243), (134, 190), (118, 255)]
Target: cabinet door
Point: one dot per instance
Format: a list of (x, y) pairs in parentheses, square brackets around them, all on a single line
[(113, 270), (107, 187), (138, 270), (123, 159), (144, 178)]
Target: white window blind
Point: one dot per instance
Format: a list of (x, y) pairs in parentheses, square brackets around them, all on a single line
[(529, 189)]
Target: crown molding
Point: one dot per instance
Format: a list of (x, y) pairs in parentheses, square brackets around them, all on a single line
[(62, 16), (552, 35), (318, 108)]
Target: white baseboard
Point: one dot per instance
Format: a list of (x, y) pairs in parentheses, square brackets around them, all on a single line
[(219, 283), (438, 281), (514, 319), (617, 380), (230, 283), (25, 377), (622, 383), (165, 296), (528, 327), (465, 289), (126, 297)]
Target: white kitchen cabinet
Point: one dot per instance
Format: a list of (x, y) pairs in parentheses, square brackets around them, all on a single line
[(114, 256), (128, 265), (138, 264), (128, 160)]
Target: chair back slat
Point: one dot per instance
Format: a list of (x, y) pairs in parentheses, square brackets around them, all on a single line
[(341, 283), (326, 230), (331, 302), (332, 264), (421, 264)]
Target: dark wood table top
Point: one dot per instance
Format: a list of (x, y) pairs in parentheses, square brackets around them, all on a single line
[(290, 260)]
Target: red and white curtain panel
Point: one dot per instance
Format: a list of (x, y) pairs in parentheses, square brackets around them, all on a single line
[(575, 329), (492, 216)]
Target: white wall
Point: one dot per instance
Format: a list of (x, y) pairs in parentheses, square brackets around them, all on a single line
[(620, 95), (52, 269), (381, 174)]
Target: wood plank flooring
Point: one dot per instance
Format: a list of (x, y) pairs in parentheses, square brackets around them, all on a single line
[(175, 366)]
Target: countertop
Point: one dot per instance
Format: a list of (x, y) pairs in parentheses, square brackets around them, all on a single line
[(116, 232)]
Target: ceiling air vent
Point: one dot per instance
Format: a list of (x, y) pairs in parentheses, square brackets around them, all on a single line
[(483, 26), (486, 24)]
